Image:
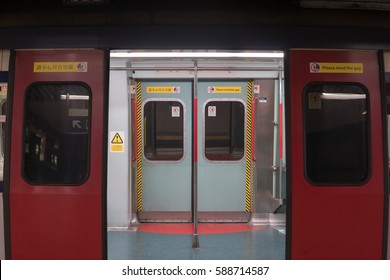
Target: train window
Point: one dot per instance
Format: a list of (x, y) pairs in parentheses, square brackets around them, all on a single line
[(163, 130), (224, 130), (3, 106), (56, 133), (336, 133)]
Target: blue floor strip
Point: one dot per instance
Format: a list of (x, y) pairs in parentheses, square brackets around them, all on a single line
[(264, 244)]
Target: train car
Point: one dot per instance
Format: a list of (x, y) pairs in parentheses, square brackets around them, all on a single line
[(216, 146)]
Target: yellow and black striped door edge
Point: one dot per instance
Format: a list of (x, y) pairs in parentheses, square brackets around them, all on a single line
[(139, 146), (248, 162)]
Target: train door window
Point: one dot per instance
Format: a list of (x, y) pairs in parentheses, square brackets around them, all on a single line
[(336, 133), (163, 130), (56, 133), (3, 106), (224, 130)]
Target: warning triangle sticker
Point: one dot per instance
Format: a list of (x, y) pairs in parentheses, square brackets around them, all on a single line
[(117, 139)]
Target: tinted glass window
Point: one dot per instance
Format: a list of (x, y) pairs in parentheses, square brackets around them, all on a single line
[(336, 133), (163, 130), (56, 133), (224, 130)]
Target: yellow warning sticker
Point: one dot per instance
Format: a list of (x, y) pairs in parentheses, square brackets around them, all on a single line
[(117, 139), (60, 67), (163, 89), (117, 148), (224, 89), (327, 67)]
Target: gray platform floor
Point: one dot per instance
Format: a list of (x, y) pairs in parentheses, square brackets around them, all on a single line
[(263, 244)]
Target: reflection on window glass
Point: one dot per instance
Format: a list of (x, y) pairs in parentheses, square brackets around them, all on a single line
[(224, 130), (163, 130), (56, 133), (336, 133)]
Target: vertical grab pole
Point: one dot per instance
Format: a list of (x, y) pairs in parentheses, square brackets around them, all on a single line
[(281, 124), (195, 238)]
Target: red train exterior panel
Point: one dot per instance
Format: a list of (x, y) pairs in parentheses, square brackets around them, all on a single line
[(335, 222), (57, 222)]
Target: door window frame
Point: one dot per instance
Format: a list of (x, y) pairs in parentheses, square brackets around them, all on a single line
[(204, 128), (184, 129)]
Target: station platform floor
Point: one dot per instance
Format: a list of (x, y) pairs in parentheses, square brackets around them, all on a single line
[(217, 242)]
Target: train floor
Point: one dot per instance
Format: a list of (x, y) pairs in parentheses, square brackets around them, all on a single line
[(217, 242)]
